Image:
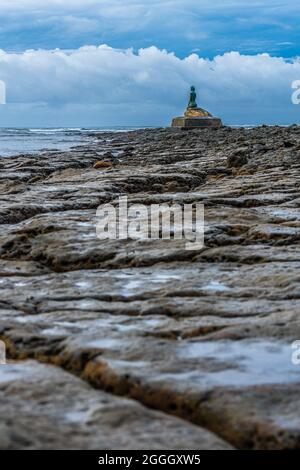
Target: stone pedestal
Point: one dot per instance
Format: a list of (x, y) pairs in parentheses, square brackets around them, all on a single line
[(195, 117), (196, 122)]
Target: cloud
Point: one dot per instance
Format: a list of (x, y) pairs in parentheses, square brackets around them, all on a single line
[(149, 87), (178, 25)]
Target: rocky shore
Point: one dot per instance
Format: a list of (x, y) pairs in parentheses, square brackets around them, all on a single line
[(125, 344)]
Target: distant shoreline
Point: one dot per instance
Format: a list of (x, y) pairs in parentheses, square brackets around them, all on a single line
[(34, 141), (31, 141)]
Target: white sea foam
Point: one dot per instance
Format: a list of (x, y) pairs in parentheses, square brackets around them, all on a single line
[(14, 141)]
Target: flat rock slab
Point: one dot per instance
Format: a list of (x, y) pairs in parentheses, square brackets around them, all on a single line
[(43, 407), (206, 334), (196, 122)]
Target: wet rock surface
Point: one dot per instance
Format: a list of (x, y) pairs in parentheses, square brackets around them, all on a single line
[(202, 334), (43, 407)]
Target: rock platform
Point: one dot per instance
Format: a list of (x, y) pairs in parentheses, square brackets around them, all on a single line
[(143, 344)]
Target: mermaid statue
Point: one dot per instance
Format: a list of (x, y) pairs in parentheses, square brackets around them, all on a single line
[(195, 117), (193, 96), (192, 109)]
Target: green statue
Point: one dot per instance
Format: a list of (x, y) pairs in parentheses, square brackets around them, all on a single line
[(192, 103), (195, 117)]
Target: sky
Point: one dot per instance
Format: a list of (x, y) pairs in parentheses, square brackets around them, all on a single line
[(90, 63)]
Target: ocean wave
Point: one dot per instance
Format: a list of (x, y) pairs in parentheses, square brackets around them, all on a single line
[(54, 130)]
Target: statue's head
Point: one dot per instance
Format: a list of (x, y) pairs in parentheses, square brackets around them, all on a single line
[(193, 88)]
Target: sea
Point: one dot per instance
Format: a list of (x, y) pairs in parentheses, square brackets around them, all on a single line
[(16, 141)]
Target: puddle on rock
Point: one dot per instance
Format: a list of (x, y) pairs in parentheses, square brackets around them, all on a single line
[(145, 281), (215, 286), (241, 363)]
